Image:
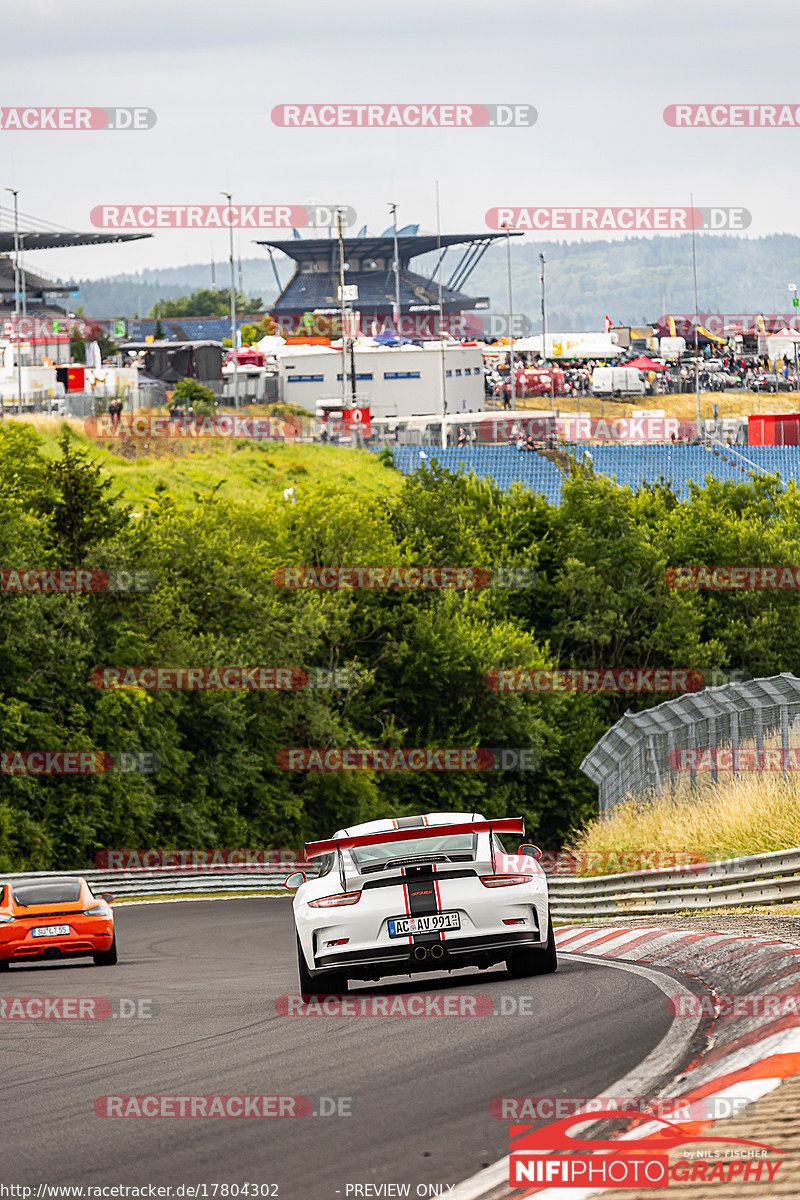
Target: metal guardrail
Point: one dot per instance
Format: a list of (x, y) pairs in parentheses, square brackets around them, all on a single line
[(173, 881), (751, 880)]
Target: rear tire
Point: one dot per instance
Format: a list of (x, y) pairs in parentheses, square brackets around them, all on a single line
[(322, 985), (107, 958), (535, 962)]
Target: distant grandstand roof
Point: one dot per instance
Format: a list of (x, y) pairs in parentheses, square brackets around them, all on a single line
[(39, 240), (315, 281), (407, 247), (35, 285)]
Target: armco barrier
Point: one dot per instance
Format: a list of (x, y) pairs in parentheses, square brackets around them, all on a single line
[(733, 882), (166, 881), (752, 880)]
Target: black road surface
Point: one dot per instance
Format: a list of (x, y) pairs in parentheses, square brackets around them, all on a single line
[(418, 1089)]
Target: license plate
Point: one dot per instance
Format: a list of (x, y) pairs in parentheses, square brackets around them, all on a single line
[(51, 931), (435, 923)]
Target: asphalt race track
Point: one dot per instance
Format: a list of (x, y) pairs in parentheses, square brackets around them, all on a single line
[(419, 1088)]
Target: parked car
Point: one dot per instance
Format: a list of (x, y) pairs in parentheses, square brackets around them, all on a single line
[(768, 381), (720, 380)]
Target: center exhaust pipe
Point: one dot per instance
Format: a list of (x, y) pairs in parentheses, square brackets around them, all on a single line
[(419, 953), (437, 951)]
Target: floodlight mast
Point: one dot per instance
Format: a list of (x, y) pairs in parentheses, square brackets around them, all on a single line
[(15, 194), (234, 347)]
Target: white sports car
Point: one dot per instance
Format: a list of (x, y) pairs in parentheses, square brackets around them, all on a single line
[(435, 892)]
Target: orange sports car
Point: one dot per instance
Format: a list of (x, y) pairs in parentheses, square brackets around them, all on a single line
[(54, 919)]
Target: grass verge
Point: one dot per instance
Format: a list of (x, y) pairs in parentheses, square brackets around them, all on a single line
[(749, 813)]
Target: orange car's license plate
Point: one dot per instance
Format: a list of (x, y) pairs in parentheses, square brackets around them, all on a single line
[(51, 931)]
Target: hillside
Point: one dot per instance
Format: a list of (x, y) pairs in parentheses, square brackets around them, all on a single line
[(633, 280)]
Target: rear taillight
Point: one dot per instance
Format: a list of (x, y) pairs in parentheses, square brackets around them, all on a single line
[(99, 910), (335, 901), (503, 880)]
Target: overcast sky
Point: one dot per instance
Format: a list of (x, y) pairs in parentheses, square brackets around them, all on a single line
[(599, 72)]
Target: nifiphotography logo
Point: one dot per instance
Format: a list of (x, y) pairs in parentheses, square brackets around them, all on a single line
[(641, 1162)]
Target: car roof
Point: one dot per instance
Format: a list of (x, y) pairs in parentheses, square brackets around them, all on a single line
[(389, 823)]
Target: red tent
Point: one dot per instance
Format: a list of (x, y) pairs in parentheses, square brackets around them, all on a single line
[(642, 363)]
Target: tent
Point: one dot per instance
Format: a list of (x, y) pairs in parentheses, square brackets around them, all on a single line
[(643, 363)]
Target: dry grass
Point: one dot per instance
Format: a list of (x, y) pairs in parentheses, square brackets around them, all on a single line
[(682, 405), (750, 813)]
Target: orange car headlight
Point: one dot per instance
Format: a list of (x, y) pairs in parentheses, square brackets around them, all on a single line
[(503, 880), (335, 901)]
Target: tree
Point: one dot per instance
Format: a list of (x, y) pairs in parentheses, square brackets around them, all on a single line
[(77, 346), (202, 399), (207, 303), (84, 510)]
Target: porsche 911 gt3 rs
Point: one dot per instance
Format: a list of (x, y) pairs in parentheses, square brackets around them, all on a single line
[(55, 918), (431, 893)]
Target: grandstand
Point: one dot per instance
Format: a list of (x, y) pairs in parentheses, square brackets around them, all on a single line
[(631, 466), (503, 464)]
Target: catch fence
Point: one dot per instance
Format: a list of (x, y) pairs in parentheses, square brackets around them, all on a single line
[(649, 750)]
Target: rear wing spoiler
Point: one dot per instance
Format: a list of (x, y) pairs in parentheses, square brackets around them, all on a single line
[(501, 825)]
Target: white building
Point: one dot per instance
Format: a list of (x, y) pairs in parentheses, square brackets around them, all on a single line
[(393, 382)]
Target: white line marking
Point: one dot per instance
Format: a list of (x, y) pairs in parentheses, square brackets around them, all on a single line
[(666, 1056)]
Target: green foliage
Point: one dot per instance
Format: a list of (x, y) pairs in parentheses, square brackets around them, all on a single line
[(77, 346), (82, 512), (417, 661), (202, 399), (206, 303)]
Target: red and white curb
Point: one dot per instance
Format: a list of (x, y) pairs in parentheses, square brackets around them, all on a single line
[(746, 1056)]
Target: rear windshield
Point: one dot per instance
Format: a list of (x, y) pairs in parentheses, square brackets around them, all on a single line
[(455, 843), (56, 891)]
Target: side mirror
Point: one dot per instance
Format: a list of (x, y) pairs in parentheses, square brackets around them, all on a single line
[(109, 899), (294, 881), (531, 851)]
